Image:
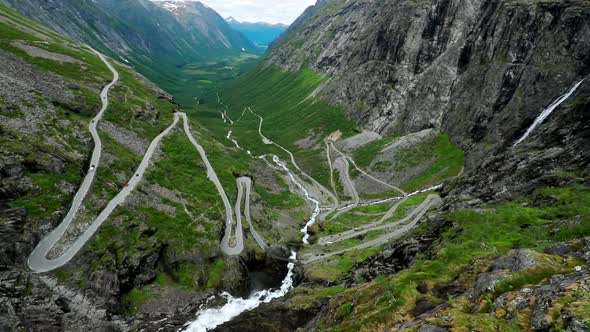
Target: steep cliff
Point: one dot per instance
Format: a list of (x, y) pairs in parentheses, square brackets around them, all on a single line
[(412, 64), (508, 250)]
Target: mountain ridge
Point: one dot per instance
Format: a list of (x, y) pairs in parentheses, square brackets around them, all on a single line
[(261, 34)]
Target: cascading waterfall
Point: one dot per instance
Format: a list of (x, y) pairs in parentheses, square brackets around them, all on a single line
[(315, 202), (546, 112), (209, 319)]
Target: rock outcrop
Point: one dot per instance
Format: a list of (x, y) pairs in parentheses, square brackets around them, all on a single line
[(467, 66)]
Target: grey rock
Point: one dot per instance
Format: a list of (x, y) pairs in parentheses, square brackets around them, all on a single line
[(515, 260), (422, 306), (577, 325), (486, 282), (559, 249), (444, 290), (431, 328)]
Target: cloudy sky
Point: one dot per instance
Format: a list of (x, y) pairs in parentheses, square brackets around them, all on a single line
[(271, 11)]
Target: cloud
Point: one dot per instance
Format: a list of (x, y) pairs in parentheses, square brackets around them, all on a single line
[(271, 11)]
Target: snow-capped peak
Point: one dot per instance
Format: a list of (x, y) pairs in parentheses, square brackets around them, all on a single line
[(174, 5), (231, 19)]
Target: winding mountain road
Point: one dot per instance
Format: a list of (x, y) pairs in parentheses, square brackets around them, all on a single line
[(231, 244), (401, 228), (245, 185), (343, 166), (365, 173), (37, 260), (267, 141)]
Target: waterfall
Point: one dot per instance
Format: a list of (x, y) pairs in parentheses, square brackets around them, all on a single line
[(546, 112), (209, 319)]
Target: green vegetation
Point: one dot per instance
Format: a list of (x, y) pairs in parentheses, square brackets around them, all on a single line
[(283, 200), (338, 266), (175, 211), (359, 216), (448, 161), (201, 81), (479, 235), (545, 267), (303, 297), (215, 273), (47, 195), (345, 310), (11, 33), (24, 27), (364, 155), (136, 297), (283, 99), (87, 70)]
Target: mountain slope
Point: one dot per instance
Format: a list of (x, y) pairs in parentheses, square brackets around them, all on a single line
[(151, 247), (260, 33), (401, 58), (508, 250), (202, 21), (138, 31), (467, 67)]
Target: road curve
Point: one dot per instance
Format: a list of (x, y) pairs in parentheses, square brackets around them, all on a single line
[(245, 184), (344, 170), (377, 225), (431, 201), (35, 262), (332, 183), (227, 245), (267, 141), (38, 261), (365, 173)]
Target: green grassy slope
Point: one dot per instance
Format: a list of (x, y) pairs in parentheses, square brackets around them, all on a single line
[(290, 113), (166, 211), (140, 33), (469, 247)]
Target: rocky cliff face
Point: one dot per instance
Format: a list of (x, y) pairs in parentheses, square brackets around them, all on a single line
[(409, 65), (383, 57), (480, 70)]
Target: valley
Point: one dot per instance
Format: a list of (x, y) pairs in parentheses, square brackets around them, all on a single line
[(392, 165)]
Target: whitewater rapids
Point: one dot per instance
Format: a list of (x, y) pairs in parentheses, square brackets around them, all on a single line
[(209, 319)]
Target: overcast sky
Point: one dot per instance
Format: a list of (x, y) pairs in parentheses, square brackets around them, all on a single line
[(271, 11)]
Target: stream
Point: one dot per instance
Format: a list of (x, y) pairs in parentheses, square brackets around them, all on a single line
[(210, 318)]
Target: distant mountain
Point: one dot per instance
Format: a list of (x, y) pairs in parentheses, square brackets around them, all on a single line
[(202, 21), (152, 36), (260, 33)]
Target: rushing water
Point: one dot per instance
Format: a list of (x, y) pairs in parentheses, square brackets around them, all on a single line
[(210, 318), (546, 112), (315, 202)]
